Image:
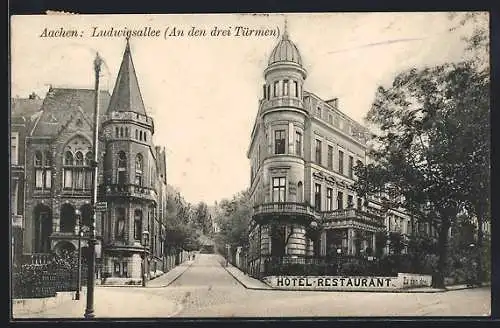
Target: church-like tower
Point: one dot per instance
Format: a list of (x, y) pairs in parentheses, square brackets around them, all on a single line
[(281, 212), (129, 184)]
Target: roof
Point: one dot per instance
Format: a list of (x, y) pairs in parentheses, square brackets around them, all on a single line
[(285, 51), (126, 95), (60, 105), (25, 107)]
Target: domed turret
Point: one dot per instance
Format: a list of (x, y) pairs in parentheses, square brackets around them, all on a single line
[(285, 51)]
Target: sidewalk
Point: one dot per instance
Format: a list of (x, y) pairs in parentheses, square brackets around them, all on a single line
[(111, 303), (247, 281), (167, 278), (252, 283)]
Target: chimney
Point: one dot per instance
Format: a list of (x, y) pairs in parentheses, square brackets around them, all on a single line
[(334, 102)]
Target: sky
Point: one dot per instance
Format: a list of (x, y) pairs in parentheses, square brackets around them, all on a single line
[(203, 91)]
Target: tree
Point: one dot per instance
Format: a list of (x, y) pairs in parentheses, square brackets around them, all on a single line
[(426, 145), (233, 220), (203, 219)]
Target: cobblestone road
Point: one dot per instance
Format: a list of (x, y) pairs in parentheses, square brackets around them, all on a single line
[(206, 289)]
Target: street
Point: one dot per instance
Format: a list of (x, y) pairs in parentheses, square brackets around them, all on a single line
[(206, 289)]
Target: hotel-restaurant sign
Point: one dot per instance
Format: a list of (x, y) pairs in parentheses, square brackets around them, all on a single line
[(402, 281)]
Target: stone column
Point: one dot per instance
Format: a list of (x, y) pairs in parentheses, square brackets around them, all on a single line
[(350, 241), (323, 243)]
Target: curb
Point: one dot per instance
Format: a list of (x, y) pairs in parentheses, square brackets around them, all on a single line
[(350, 290), (243, 284), (173, 280)]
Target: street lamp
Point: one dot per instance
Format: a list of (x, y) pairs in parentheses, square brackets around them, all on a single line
[(145, 242), (89, 309), (79, 282)]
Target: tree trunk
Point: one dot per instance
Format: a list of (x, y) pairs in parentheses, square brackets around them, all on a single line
[(439, 274)]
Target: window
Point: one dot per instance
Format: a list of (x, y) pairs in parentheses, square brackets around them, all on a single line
[(137, 224), (329, 199), (136, 134), (264, 87), (279, 141), (145, 136), (330, 157), (341, 162), (117, 132), (285, 87), (351, 166), (318, 112), (279, 189), (120, 223), (298, 143), (14, 147), (330, 118), (340, 200), (360, 203), (317, 197), (318, 151), (295, 87), (268, 92), (43, 170), (140, 135), (276, 90), (350, 201), (121, 132), (122, 167), (138, 169), (126, 132)]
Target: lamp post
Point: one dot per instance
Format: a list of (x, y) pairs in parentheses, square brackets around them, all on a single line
[(145, 242), (78, 281), (89, 309)]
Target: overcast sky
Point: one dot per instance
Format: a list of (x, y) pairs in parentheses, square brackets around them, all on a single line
[(203, 92)]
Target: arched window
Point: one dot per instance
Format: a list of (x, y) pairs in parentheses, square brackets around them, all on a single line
[(136, 134), (88, 170), (43, 170), (137, 224), (67, 219), (138, 169), (77, 170), (122, 167), (140, 135), (121, 131), (38, 158), (126, 132), (68, 158), (300, 192), (117, 132), (145, 136)]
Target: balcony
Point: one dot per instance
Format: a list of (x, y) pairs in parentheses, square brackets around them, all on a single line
[(129, 191), (284, 209), (281, 102), (351, 216)]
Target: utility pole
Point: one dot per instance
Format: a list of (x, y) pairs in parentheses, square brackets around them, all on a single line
[(89, 310)]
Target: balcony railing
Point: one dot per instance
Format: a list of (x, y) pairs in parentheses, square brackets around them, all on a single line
[(281, 102), (352, 214), (284, 208), (128, 190)]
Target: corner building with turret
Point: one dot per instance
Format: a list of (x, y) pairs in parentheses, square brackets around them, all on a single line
[(131, 179), (303, 150)]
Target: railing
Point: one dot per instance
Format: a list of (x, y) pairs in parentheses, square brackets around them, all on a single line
[(129, 190), (281, 102), (354, 214), (41, 258), (284, 208)]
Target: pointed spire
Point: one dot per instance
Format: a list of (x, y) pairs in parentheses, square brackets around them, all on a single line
[(126, 95)]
